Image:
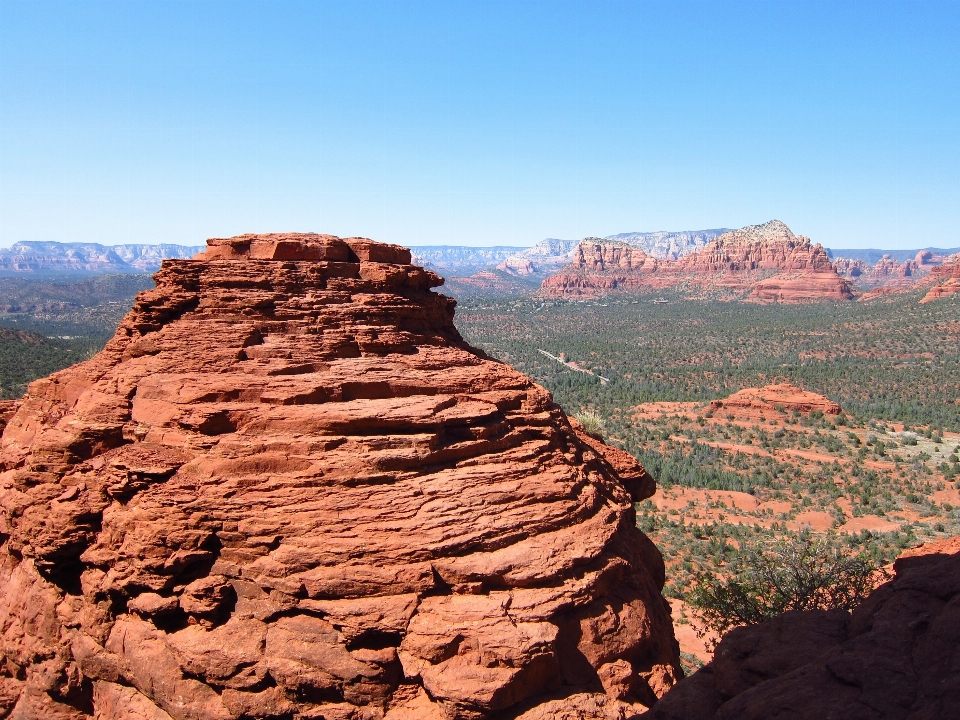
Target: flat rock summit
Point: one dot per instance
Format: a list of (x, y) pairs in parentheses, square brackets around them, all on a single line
[(287, 488)]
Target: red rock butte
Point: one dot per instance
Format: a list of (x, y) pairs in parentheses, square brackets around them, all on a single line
[(760, 263), (947, 279), (773, 401), (287, 488)]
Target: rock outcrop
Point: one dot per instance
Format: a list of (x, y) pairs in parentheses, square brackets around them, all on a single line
[(288, 489), (896, 656), (888, 275), (946, 279), (762, 263), (772, 401)]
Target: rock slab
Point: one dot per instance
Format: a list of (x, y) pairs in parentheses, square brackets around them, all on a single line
[(288, 489)]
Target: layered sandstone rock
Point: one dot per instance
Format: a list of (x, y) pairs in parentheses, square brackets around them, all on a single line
[(888, 275), (946, 279), (772, 401), (766, 263), (288, 489), (896, 656)]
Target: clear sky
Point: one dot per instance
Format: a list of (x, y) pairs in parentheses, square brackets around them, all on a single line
[(479, 123)]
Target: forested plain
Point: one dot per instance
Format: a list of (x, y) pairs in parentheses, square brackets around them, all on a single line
[(877, 478), (48, 323)]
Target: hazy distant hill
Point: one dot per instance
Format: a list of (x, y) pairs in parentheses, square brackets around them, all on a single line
[(460, 260), (669, 245), (872, 256), (544, 258), (50, 258)]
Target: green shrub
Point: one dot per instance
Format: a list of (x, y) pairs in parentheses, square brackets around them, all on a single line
[(763, 581)]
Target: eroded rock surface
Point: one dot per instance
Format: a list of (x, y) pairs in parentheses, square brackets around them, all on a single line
[(762, 263), (288, 489), (946, 279), (772, 401), (896, 656)]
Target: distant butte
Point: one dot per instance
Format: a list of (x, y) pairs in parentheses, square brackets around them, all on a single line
[(945, 279), (773, 400), (287, 488), (760, 263)]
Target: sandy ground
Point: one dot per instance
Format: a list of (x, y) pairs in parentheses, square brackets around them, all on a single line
[(657, 410), (686, 632), (873, 523), (814, 519)]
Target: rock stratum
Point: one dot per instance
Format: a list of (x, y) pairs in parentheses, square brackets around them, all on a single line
[(760, 263), (945, 280), (897, 656), (288, 489), (774, 401)]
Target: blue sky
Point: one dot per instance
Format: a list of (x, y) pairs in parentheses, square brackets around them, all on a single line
[(479, 123)]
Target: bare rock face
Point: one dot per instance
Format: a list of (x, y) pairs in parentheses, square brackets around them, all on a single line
[(772, 401), (888, 276), (288, 489), (762, 263), (896, 656), (946, 279)]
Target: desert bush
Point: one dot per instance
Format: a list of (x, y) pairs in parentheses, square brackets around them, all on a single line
[(795, 573), (593, 423)]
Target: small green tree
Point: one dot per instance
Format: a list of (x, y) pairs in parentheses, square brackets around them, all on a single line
[(798, 573)]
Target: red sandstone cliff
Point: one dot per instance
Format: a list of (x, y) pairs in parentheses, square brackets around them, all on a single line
[(888, 275), (765, 263), (896, 656), (287, 488), (946, 279)]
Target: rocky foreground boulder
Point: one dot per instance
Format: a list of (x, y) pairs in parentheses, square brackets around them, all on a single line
[(896, 657), (288, 489)]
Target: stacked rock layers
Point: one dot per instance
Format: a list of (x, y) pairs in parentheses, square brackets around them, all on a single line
[(288, 489), (762, 263)]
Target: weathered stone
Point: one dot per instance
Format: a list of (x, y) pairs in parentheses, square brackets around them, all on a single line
[(287, 486), (762, 263)]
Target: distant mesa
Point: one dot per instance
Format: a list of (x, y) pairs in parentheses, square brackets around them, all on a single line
[(287, 488), (760, 263)]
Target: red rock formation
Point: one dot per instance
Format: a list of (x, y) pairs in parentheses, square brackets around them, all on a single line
[(887, 273), (947, 279), (287, 488), (768, 262), (773, 401), (7, 410), (896, 656), (800, 286)]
